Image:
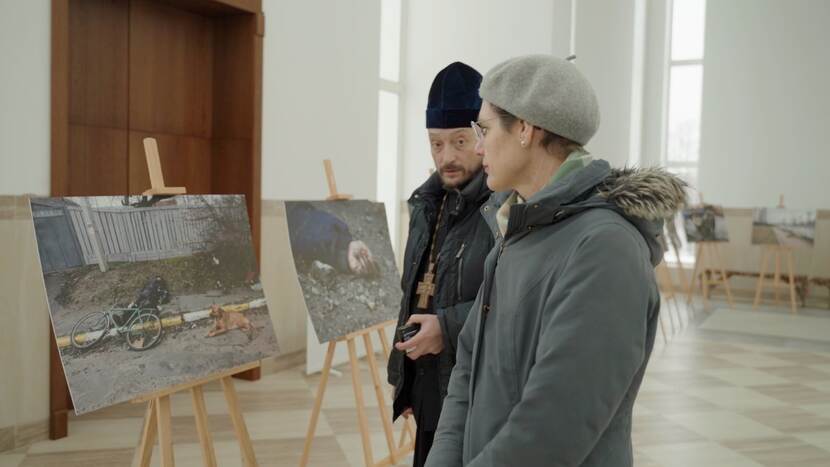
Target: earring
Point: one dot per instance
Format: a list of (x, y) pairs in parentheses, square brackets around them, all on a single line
[(523, 143)]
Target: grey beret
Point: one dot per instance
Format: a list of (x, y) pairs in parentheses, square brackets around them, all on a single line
[(547, 92)]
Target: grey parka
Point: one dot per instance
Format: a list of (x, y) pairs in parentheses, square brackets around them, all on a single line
[(551, 357)]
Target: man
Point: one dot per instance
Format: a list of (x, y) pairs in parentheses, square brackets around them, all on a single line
[(552, 356), (444, 258)]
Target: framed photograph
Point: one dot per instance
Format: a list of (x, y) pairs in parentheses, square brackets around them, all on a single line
[(345, 264), (146, 293), (705, 224), (786, 227)]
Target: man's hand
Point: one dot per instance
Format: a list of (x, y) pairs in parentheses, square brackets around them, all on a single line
[(360, 259), (429, 340)]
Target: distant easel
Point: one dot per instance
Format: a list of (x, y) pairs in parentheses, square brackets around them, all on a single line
[(670, 295), (398, 450), (709, 269), (669, 290), (780, 253), (157, 418)]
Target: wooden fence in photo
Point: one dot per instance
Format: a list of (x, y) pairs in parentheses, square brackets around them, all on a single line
[(125, 234)]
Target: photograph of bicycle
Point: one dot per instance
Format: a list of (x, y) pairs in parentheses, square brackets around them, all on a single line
[(149, 292)]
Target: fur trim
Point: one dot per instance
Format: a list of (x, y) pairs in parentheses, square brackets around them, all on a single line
[(648, 193)]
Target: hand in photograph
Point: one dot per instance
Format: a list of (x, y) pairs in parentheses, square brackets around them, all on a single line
[(360, 259)]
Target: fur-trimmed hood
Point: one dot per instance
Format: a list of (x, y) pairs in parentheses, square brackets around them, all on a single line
[(644, 196), (648, 193)]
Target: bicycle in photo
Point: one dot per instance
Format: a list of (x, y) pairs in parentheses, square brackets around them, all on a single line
[(141, 327)]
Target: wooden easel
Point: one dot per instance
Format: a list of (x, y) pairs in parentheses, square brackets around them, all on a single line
[(709, 252), (780, 253), (157, 186), (671, 291), (333, 194), (398, 450), (676, 247), (157, 418), (157, 421), (703, 273)]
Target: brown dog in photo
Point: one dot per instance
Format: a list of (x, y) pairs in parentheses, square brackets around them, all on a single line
[(224, 321)]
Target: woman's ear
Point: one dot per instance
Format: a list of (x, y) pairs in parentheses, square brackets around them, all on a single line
[(526, 131)]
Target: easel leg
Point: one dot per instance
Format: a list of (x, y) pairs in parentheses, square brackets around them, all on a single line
[(144, 453), (663, 327), (318, 403), (761, 278), (681, 273), (387, 351), (245, 446), (704, 275), (676, 306), (165, 430), (386, 418), (793, 304), (671, 295), (671, 299), (776, 282), (200, 413), (674, 327), (695, 272), (664, 276), (361, 408), (724, 277), (402, 441)]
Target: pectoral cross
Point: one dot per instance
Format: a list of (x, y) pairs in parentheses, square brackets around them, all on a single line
[(426, 288)]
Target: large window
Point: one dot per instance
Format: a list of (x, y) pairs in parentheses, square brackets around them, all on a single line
[(389, 112), (681, 150)]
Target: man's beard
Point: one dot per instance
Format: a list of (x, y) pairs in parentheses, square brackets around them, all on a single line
[(465, 176)]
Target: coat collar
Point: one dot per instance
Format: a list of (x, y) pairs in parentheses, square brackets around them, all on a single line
[(472, 194)]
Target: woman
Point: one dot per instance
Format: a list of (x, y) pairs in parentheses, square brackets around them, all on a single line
[(550, 362)]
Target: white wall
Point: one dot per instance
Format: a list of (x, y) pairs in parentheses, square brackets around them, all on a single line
[(654, 82), (766, 103), (320, 96), (24, 96), (605, 50), (24, 168), (478, 33), (320, 100), (320, 88), (483, 33)]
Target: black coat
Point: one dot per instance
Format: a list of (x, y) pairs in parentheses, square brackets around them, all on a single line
[(459, 271)]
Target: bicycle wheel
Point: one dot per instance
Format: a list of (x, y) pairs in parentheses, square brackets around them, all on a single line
[(90, 329), (144, 331)]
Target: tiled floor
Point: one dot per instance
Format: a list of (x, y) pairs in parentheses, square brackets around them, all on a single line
[(710, 398)]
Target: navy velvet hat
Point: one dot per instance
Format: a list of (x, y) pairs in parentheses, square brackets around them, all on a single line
[(453, 97)]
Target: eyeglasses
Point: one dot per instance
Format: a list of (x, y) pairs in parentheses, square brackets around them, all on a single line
[(478, 130)]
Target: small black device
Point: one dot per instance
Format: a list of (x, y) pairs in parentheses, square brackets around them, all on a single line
[(407, 331)]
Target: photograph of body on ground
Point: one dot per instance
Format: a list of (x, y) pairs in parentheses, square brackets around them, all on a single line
[(345, 264), (705, 224), (146, 293), (785, 227)]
